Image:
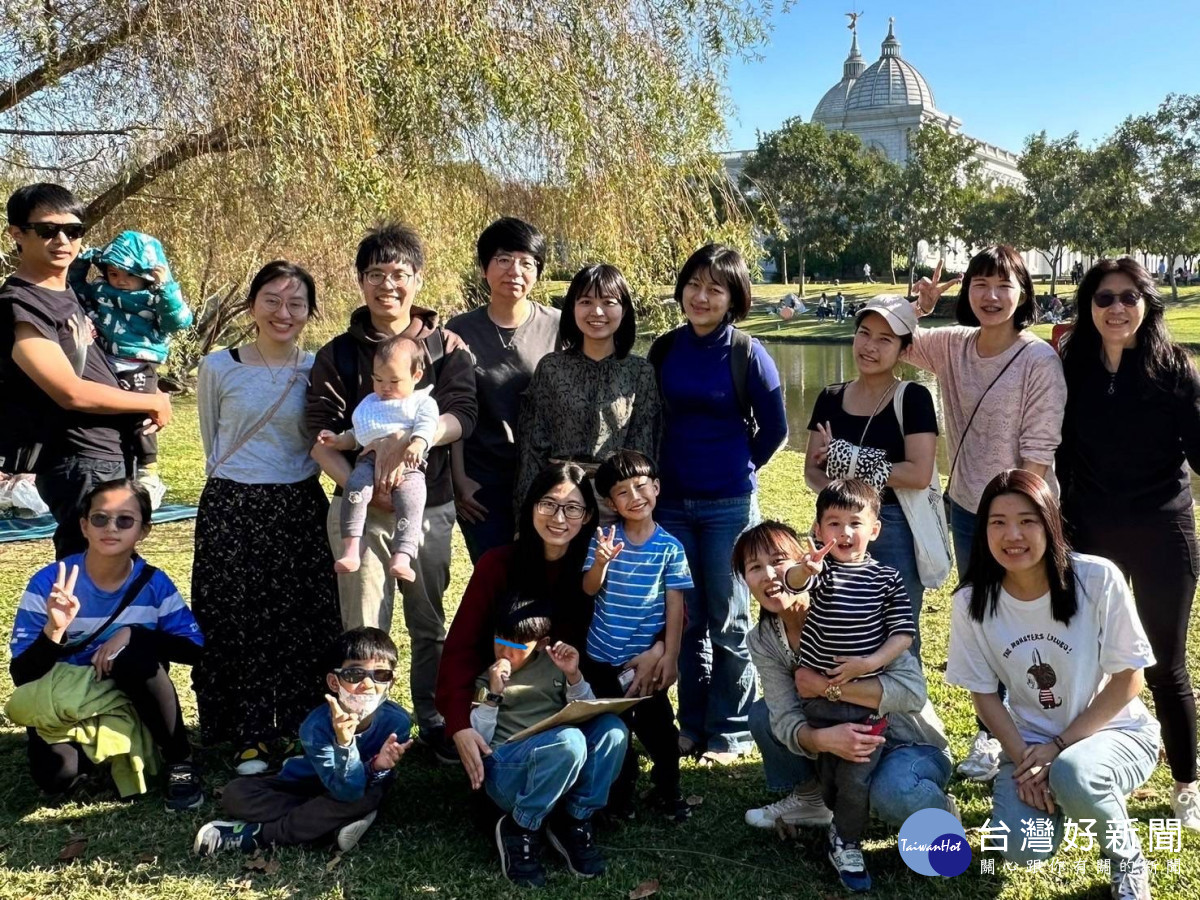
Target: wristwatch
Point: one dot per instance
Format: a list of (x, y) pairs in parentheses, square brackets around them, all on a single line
[(485, 695), (833, 693)]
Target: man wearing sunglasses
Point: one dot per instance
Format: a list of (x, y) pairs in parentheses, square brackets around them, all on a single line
[(58, 397)]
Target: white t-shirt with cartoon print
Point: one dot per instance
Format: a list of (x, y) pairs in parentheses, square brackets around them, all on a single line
[(1052, 671)]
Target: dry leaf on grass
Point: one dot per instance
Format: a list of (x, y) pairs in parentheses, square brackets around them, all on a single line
[(695, 800), (261, 864), (786, 830), (73, 848), (147, 859), (647, 888), (1145, 794), (333, 863)]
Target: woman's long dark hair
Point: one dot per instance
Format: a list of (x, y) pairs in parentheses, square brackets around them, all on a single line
[(527, 574), (985, 574), (1162, 363)]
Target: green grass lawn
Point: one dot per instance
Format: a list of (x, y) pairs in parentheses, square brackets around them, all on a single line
[(422, 844)]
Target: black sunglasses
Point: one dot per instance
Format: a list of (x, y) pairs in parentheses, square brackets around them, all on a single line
[(124, 520), (1105, 299), (47, 230), (354, 675)]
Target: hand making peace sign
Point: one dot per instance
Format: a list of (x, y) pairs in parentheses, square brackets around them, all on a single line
[(608, 547), (811, 563), (929, 292), (62, 606)]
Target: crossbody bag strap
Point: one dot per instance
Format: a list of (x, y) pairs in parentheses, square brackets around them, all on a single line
[(963, 440), (135, 588), (263, 420)]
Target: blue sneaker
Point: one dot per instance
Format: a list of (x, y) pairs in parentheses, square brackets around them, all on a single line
[(218, 835), (847, 858)]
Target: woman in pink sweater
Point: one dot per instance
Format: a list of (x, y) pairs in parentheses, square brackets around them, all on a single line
[(1003, 396)]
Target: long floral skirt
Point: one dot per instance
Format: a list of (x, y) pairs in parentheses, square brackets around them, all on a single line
[(265, 596)]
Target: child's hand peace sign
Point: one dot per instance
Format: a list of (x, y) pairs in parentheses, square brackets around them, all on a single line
[(389, 754), (61, 606), (608, 547), (344, 723), (811, 563)]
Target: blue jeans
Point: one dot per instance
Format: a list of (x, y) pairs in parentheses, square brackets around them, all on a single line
[(1089, 780), (894, 547), (962, 533), (783, 769), (907, 779), (497, 528), (575, 764), (716, 677)]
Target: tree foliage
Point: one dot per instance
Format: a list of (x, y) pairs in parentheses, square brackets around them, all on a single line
[(239, 130)]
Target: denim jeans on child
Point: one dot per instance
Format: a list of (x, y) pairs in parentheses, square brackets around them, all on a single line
[(575, 764), (894, 547), (1089, 780), (716, 676)]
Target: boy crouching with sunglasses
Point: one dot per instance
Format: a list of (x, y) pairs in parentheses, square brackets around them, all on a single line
[(351, 745)]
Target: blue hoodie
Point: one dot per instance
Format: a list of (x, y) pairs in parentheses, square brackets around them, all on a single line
[(131, 324)]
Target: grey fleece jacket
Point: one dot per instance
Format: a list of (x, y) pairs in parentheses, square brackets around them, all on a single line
[(911, 717)]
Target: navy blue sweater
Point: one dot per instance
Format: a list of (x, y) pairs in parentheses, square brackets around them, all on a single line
[(706, 452)]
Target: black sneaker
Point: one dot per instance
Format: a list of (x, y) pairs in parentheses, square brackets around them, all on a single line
[(672, 804), (576, 841), (520, 854), (185, 791), (232, 835), (444, 751)]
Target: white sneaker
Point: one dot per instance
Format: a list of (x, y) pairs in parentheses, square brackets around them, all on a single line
[(154, 485), (1133, 885), (983, 762), (348, 836), (954, 810), (797, 808), (1186, 806)]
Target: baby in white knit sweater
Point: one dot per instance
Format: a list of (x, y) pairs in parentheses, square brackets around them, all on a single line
[(395, 408)]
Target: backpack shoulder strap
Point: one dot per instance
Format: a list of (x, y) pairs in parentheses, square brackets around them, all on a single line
[(741, 351), (659, 350), (345, 360), (898, 404)]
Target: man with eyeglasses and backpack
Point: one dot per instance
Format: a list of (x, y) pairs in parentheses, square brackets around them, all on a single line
[(389, 262), (60, 404)]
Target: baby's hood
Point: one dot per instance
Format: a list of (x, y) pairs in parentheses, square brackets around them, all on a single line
[(132, 252)]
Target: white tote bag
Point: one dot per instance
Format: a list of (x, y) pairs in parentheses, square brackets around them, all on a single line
[(926, 517)]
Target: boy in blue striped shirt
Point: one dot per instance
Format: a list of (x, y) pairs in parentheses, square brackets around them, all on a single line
[(637, 573)]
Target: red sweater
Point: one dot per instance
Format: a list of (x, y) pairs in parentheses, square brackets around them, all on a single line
[(469, 647)]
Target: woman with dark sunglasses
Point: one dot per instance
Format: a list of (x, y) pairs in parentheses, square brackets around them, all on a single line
[(1132, 419)]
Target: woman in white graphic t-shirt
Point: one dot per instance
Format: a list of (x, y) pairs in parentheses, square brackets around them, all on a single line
[(1061, 631)]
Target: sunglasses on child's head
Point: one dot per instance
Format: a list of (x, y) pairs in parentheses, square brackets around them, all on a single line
[(47, 230), (124, 520), (355, 674)]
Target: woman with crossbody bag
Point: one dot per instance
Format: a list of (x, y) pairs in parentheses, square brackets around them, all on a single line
[(1003, 396), (263, 587), (883, 431)]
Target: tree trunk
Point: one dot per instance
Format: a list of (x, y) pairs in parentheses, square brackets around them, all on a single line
[(891, 263), (912, 267), (783, 255), (1054, 264), (800, 249)]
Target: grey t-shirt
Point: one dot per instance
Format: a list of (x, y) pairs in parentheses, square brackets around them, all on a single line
[(505, 359)]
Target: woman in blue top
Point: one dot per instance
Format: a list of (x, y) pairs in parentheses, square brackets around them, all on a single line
[(74, 612), (723, 420)]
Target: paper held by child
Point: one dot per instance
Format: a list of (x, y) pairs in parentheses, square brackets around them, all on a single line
[(575, 712)]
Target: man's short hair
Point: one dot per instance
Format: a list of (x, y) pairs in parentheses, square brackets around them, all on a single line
[(511, 235), (53, 198), (390, 242)]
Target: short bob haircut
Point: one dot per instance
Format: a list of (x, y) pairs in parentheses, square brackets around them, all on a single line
[(599, 280), (1160, 361), (364, 643), (984, 573), (622, 465), (1002, 260), (391, 242), (725, 266), (765, 537), (48, 197), (848, 493), (511, 235), (140, 494), (398, 346), (281, 268)]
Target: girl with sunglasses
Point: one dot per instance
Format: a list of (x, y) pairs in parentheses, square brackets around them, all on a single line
[(1132, 419), (91, 628)]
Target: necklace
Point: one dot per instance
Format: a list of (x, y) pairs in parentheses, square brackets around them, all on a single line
[(512, 336), (1112, 383), (295, 354)]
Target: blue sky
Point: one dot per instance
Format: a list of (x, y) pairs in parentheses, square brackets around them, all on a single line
[(1006, 69)]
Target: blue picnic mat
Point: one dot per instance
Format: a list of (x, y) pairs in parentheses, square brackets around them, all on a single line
[(14, 529)]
